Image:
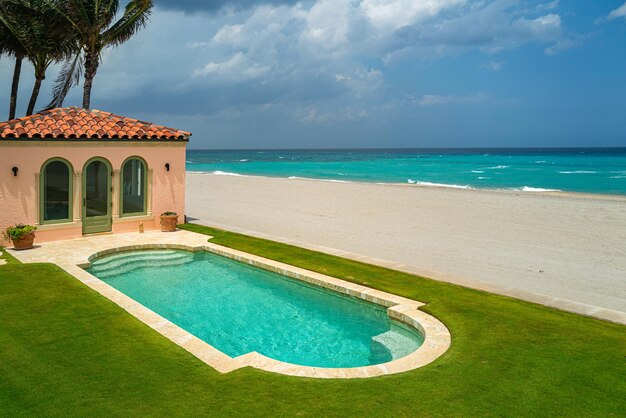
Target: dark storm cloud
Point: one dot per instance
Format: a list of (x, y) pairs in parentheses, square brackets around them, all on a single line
[(192, 6), (210, 100)]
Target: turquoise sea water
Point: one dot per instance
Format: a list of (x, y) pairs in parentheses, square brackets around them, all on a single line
[(238, 309), (589, 170)]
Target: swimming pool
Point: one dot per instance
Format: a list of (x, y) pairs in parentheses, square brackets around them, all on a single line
[(239, 309)]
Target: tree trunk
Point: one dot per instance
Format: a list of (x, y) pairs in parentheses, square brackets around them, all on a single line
[(14, 86), (34, 95), (91, 67)]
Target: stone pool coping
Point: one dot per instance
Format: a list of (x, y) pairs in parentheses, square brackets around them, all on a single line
[(75, 255)]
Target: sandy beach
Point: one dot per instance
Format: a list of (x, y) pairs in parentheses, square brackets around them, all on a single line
[(566, 251)]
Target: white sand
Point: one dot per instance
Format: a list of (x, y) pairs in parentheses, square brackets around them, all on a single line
[(560, 250)]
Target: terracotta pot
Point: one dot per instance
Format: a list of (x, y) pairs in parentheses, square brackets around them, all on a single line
[(24, 242), (168, 223)]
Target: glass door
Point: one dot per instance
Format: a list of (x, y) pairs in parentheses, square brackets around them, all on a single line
[(96, 197)]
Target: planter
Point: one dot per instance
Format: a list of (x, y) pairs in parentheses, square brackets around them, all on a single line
[(168, 223), (24, 242)]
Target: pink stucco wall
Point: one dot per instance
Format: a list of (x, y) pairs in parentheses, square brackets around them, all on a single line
[(19, 195)]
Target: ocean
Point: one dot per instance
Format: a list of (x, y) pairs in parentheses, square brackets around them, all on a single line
[(586, 170)]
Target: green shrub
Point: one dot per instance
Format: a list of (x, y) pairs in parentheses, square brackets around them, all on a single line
[(168, 213), (17, 231)]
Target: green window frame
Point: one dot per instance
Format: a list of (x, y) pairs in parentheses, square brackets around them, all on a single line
[(43, 192), (132, 187)]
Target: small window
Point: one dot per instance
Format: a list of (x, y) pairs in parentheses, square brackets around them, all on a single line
[(133, 187), (56, 192)]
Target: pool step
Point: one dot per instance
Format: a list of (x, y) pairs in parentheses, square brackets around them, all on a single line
[(115, 258), (392, 342), (126, 268), (125, 263), (122, 258), (137, 264)]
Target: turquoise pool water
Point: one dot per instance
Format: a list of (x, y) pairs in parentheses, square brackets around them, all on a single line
[(238, 309)]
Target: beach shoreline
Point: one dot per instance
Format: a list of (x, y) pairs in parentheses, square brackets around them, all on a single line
[(566, 251), (515, 191)]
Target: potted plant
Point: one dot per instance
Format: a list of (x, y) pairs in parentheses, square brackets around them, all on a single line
[(169, 221), (21, 235)]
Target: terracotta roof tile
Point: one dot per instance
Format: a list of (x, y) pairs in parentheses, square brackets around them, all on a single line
[(77, 123)]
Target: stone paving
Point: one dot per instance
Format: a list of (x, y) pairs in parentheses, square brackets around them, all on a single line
[(75, 255)]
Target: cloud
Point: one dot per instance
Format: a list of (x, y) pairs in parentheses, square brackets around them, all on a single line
[(339, 57), (563, 45), (495, 66), (193, 6), (548, 6), (438, 100), (617, 13), (236, 68), (346, 114), (393, 15), (320, 39), (314, 62), (493, 27)]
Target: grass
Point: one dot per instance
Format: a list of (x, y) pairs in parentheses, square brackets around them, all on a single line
[(65, 350)]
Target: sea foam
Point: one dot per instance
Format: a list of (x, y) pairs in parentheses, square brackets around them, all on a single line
[(224, 173), (536, 189), (327, 180), (429, 184)]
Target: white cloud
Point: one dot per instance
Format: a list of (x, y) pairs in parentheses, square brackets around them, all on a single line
[(392, 15), (438, 100), (345, 114), (325, 38), (362, 82), (315, 53), (562, 45), (236, 68), (548, 6), (328, 24), (617, 13), (495, 66)]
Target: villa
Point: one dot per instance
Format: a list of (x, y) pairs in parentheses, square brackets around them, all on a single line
[(73, 172)]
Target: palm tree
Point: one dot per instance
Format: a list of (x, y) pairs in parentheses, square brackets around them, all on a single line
[(10, 44), (45, 36), (39, 29), (92, 23)]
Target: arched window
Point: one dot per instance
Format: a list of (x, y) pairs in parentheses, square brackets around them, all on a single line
[(133, 187), (56, 191)]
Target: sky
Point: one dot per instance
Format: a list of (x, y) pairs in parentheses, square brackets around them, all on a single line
[(368, 73)]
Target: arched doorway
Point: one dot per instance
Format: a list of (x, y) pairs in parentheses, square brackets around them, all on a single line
[(97, 196)]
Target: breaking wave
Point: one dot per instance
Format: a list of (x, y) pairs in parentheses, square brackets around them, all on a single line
[(327, 180), (225, 173), (536, 189), (429, 184)]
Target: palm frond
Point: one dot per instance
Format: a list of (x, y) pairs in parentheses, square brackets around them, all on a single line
[(106, 12), (71, 14), (68, 77), (14, 37), (135, 17)]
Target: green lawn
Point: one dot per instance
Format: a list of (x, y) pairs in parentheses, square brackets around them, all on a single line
[(65, 350)]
